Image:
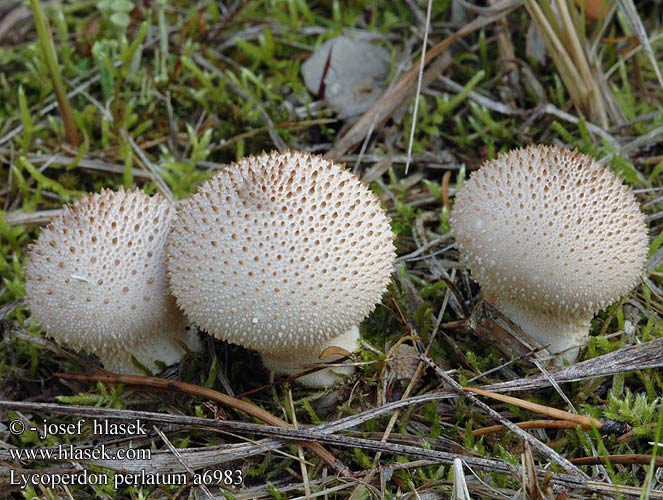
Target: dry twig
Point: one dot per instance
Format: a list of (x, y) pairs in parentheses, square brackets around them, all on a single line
[(203, 392)]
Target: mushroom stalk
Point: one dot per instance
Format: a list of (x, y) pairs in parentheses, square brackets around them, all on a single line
[(285, 363), (561, 335)]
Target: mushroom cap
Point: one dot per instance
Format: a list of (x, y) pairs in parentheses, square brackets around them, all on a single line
[(96, 278), (280, 252), (552, 229)]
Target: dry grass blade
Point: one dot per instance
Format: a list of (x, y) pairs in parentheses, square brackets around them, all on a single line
[(630, 12), (300, 452), (579, 69), (39, 217), (181, 460), (551, 110), (17, 218), (13, 19), (144, 160), (535, 407), (89, 164), (460, 491), (422, 62), (529, 476), (636, 357), (203, 392)]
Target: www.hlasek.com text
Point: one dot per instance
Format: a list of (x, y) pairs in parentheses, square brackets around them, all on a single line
[(71, 452)]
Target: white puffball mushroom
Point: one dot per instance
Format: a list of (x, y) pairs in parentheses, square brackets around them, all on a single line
[(552, 237), (96, 280), (282, 253)]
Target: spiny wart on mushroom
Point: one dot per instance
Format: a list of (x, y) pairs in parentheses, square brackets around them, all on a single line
[(96, 280), (552, 237), (281, 253)]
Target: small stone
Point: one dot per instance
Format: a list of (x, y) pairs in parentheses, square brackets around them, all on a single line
[(349, 74)]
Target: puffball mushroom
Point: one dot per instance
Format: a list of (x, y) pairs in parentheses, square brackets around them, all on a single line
[(96, 280), (552, 237), (284, 254)]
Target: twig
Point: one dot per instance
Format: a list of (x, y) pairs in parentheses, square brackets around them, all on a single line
[(541, 447), (636, 458), (530, 424), (203, 392), (535, 407)]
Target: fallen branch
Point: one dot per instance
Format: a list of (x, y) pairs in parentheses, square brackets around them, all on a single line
[(218, 397)]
